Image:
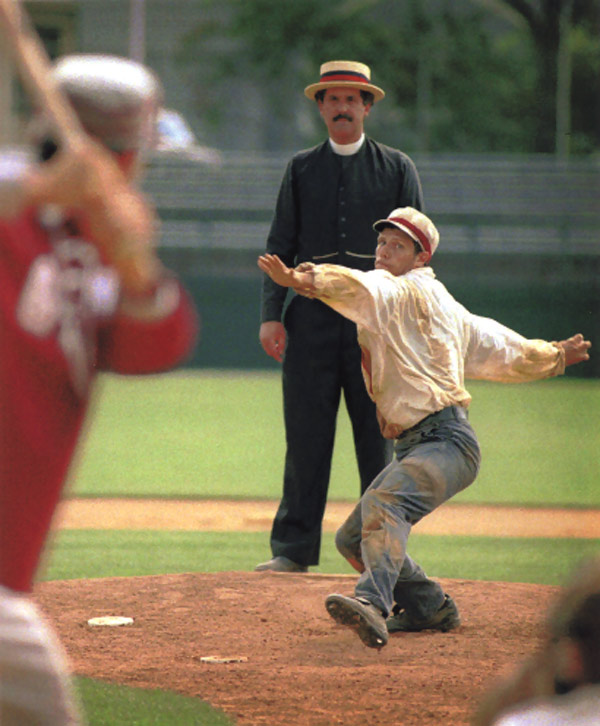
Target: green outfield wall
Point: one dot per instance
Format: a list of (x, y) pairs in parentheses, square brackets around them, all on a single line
[(547, 297), (520, 242)]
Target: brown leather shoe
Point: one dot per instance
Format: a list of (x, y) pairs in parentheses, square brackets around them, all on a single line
[(280, 564)]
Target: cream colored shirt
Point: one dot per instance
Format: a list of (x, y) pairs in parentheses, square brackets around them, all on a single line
[(419, 344)]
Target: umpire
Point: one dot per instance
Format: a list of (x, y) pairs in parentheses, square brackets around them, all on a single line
[(329, 197)]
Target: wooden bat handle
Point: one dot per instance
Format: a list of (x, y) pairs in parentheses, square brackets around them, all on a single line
[(35, 69)]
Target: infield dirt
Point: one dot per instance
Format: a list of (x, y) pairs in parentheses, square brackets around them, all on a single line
[(257, 516), (298, 667)]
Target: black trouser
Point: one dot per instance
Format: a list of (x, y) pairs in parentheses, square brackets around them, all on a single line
[(322, 359)]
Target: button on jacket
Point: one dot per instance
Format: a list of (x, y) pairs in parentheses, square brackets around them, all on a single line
[(325, 210), (327, 205)]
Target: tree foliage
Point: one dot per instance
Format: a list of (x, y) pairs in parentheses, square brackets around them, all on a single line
[(579, 22), (460, 75)]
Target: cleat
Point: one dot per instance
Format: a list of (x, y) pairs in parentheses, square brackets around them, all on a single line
[(360, 615), (445, 619)]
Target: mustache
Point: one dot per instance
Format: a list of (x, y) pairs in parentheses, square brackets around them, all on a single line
[(343, 115)]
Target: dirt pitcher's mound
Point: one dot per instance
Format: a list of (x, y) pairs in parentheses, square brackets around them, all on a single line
[(291, 664)]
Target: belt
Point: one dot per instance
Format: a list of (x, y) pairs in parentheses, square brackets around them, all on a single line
[(451, 413)]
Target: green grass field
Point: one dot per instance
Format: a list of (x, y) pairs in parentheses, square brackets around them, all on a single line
[(211, 434), (107, 704), (118, 553)]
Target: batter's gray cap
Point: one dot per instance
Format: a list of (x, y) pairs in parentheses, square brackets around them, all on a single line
[(116, 99)]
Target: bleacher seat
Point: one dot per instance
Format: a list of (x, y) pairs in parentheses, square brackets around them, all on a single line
[(484, 204)]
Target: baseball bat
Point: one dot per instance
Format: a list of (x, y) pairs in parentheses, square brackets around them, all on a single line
[(35, 71)]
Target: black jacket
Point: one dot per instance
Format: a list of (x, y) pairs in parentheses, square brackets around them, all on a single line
[(327, 205)]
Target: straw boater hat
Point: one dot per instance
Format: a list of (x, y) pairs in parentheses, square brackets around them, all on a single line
[(345, 73), (415, 224)]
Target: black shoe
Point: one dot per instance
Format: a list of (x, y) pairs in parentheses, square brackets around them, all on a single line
[(445, 619), (280, 564), (360, 615)]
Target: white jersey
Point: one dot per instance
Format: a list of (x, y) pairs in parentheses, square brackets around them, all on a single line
[(578, 708), (36, 688), (419, 344)]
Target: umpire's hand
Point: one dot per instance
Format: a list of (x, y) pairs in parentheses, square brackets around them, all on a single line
[(272, 337)]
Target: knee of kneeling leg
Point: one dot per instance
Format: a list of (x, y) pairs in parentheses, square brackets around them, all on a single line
[(340, 541), (343, 543)]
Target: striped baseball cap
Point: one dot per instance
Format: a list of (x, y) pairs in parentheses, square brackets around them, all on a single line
[(416, 225)]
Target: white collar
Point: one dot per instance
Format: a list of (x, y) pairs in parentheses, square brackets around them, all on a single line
[(347, 149)]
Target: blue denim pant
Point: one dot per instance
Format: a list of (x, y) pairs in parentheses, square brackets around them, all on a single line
[(433, 461)]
